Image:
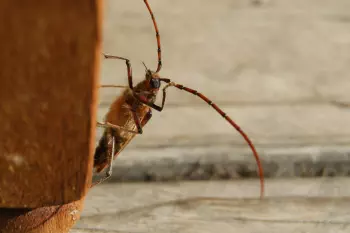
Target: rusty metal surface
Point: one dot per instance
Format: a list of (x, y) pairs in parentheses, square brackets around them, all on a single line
[(58, 219), (49, 63)]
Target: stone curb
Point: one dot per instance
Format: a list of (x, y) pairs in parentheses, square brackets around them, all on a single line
[(277, 163)]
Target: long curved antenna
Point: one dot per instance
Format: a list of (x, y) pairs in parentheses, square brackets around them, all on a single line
[(229, 120), (157, 36)]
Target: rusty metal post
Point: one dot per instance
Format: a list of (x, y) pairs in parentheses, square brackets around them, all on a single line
[(49, 67)]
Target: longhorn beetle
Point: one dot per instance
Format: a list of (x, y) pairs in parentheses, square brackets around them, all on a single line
[(131, 111)]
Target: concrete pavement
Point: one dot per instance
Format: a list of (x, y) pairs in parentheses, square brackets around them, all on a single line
[(274, 67), (291, 205)]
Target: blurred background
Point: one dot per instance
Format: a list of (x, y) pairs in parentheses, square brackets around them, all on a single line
[(278, 68)]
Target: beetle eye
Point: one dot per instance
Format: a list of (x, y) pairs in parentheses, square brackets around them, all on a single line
[(155, 83)]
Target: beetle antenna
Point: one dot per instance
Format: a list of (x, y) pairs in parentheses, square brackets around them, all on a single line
[(157, 36), (145, 66)]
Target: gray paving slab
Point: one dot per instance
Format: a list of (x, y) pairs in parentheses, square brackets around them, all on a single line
[(235, 51), (299, 141), (291, 205)]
